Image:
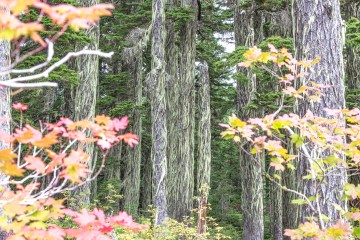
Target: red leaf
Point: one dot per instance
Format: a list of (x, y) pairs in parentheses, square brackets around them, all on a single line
[(20, 106)]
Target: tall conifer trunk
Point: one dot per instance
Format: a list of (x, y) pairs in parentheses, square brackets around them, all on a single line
[(204, 145), (158, 110), (317, 32), (133, 60), (352, 9), (5, 109), (172, 111), (85, 98), (247, 27), (182, 201)]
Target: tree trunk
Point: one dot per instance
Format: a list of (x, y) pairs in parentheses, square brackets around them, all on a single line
[(85, 99), (317, 32), (133, 60), (5, 109), (247, 26), (204, 145), (352, 9), (184, 179), (158, 110), (172, 114)]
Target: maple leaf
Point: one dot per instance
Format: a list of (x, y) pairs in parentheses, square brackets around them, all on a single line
[(7, 163), (126, 221), (35, 163), (84, 218), (48, 140), (102, 120), (103, 144), (129, 138), (20, 106), (57, 159), (55, 233), (340, 230), (119, 124), (27, 135), (352, 190), (75, 166)]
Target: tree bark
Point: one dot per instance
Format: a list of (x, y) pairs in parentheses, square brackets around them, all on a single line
[(317, 32), (133, 60), (85, 100), (204, 145), (158, 110), (247, 26), (172, 111), (5, 108), (182, 202), (352, 9)]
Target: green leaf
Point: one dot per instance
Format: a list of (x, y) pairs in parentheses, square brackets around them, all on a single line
[(325, 218), (312, 198), (297, 140), (38, 225), (331, 160), (299, 201), (290, 166), (356, 232), (277, 176)]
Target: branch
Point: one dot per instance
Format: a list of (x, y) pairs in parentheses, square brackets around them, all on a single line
[(14, 83), (33, 69)]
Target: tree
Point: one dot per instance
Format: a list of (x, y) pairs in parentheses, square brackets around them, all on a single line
[(248, 32), (204, 146), (158, 110), (85, 98), (5, 109), (321, 38)]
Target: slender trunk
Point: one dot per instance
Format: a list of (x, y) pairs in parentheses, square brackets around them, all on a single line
[(158, 110), (133, 60), (85, 99), (247, 27), (317, 32), (352, 9), (204, 146), (5, 109)]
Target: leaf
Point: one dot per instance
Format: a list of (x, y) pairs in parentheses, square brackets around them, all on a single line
[(20, 106), (340, 230), (297, 140), (277, 164), (49, 140), (7, 163), (38, 225), (118, 125), (235, 122), (299, 201), (35, 163)]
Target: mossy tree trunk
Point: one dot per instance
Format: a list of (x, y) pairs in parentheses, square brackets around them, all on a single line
[(85, 99), (352, 9), (172, 111), (133, 60), (182, 202), (5, 108), (158, 110), (317, 32), (204, 145), (247, 27)]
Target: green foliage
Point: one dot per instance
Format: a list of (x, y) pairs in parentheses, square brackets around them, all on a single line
[(269, 5), (353, 32), (180, 15)]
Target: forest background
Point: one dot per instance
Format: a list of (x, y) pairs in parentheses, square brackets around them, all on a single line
[(188, 96)]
